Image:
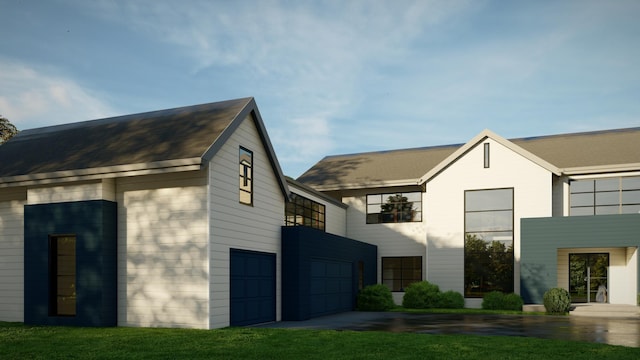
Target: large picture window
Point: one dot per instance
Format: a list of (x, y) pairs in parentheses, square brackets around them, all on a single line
[(619, 195), (62, 275), (394, 207), (246, 176), (488, 246), (399, 272), (305, 212)]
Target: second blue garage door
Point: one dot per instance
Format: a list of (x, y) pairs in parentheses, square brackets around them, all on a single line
[(331, 286), (253, 287)]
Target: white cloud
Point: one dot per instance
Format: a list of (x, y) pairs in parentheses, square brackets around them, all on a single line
[(32, 98)]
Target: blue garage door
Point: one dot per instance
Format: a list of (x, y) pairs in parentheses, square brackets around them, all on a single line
[(331, 286), (253, 287)]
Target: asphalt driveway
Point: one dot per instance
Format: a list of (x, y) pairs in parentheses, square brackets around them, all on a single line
[(614, 331)]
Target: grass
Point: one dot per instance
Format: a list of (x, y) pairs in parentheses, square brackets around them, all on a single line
[(18, 341)]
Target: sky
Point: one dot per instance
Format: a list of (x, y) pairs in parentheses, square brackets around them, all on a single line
[(330, 77)]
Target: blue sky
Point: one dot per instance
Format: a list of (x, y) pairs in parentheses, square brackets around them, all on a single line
[(330, 77)]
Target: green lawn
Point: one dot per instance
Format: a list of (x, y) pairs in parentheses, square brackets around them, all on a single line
[(45, 342)]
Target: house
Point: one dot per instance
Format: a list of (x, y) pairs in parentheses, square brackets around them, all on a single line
[(183, 218), (520, 215), (169, 218)]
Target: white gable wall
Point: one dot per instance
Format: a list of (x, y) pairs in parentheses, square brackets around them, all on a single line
[(444, 207), (12, 203), (163, 269), (239, 226)]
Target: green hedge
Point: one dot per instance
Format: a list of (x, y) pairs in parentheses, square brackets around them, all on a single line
[(425, 295), (497, 300), (375, 298)]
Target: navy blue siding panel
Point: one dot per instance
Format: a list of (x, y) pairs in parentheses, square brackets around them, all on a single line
[(542, 237), (253, 287), (94, 224), (320, 272)]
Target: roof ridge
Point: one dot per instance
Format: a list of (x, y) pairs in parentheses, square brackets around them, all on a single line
[(122, 118)]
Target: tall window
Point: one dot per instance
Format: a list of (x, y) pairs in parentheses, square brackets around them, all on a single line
[(399, 272), (488, 246), (619, 195), (246, 176), (62, 275), (394, 208), (305, 212)]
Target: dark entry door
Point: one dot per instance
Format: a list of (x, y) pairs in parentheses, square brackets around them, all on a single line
[(253, 287), (588, 277)]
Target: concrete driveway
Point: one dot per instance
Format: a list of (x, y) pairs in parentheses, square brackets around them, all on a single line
[(614, 331)]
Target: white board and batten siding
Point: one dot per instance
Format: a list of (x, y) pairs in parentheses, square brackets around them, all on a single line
[(239, 226), (392, 240), (163, 268), (12, 201), (445, 204)]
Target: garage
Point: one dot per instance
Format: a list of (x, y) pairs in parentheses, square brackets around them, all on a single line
[(253, 287), (331, 286), (322, 272)]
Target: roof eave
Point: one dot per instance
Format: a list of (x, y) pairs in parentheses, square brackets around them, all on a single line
[(158, 167), (597, 169), (366, 185)]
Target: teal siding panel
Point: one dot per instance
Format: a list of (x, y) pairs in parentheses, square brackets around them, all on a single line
[(542, 237)]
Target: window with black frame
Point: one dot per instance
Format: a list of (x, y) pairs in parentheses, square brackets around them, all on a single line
[(400, 271), (488, 246), (300, 211), (394, 207), (605, 196)]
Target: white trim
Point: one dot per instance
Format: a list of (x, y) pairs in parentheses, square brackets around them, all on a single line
[(601, 169), (90, 174)]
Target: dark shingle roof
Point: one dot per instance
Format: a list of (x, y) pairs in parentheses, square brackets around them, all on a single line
[(577, 150), (181, 133)]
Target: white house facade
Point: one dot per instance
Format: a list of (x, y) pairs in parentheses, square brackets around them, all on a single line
[(183, 218)]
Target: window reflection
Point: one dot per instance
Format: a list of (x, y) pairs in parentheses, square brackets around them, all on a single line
[(488, 247), (619, 195), (394, 208)]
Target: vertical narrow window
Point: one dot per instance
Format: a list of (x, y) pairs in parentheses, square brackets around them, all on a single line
[(62, 275), (486, 155), (246, 176), (488, 245)]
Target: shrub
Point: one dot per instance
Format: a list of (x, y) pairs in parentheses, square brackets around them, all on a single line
[(421, 295), (557, 301), (513, 301), (375, 298), (450, 300), (497, 300)]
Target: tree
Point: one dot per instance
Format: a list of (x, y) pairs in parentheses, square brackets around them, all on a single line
[(7, 130)]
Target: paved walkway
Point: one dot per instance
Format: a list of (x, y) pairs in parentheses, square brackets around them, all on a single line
[(614, 331)]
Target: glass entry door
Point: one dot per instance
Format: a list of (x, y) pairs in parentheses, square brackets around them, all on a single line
[(588, 277)]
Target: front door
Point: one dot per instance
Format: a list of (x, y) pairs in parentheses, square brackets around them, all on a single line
[(588, 277)]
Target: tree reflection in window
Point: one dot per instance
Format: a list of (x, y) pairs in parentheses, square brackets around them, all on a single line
[(394, 208)]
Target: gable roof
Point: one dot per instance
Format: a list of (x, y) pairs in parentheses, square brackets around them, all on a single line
[(598, 151), (179, 139), (485, 134)]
